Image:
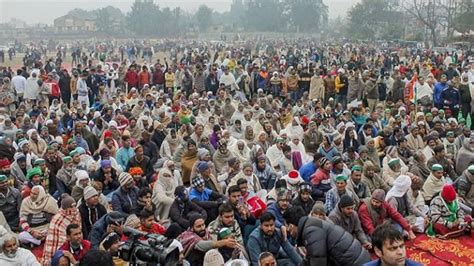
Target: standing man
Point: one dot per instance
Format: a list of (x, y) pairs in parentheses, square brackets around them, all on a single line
[(19, 84), (342, 87), (82, 89), (53, 87), (65, 86)]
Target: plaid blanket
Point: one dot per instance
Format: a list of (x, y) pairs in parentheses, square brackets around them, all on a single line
[(57, 232)]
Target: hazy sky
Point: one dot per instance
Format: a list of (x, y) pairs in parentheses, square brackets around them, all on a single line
[(45, 11)]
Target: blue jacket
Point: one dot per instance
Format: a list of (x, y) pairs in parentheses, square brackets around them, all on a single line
[(98, 232), (124, 155), (275, 210), (194, 194), (377, 262), (438, 88), (124, 202), (307, 170), (260, 243), (451, 97)]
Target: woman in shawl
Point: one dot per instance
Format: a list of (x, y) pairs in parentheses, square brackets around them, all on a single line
[(350, 140), (372, 152), (68, 214), (264, 172), (82, 181), (222, 156), (231, 141), (169, 145), (249, 137), (205, 144), (36, 212), (163, 193), (55, 107), (255, 152), (240, 151), (108, 141), (228, 109), (187, 160), (236, 129), (252, 180), (298, 147), (262, 141), (428, 149), (418, 166), (215, 136)]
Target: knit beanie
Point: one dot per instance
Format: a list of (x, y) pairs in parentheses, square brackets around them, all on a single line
[(90, 192), (197, 181), (323, 161), (378, 194), (448, 193), (213, 258), (346, 201), (132, 221), (336, 159), (363, 149), (125, 178), (67, 201), (318, 207)]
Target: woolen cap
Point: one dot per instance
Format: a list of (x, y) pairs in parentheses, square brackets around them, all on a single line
[(346, 201), (378, 194)]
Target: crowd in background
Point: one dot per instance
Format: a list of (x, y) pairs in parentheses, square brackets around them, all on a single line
[(257, 152)]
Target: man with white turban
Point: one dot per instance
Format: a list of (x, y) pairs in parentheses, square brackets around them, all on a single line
[(398, 199)]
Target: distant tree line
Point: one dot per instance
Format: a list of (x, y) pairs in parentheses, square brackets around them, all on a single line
[(391, 19), (146, 18)]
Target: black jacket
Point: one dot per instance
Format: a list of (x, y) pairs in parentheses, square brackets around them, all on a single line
[(307, 206), (86, 217), (329, 244), (181, 212)]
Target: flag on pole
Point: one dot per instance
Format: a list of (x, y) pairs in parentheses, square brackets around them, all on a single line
[(410, 90)]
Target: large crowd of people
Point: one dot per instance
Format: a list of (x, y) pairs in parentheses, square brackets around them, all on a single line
[(259, 152)]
